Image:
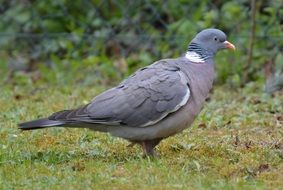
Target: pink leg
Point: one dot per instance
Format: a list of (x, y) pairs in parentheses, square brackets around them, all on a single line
[(148, 146)]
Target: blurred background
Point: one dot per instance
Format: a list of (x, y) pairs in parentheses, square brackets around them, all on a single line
[(90, 42), (59, 54)]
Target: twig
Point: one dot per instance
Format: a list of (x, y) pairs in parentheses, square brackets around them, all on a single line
[(247, 69)]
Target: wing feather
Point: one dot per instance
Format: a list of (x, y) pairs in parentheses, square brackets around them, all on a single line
[(143, 99)]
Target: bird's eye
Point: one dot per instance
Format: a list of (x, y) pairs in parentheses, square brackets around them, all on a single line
[(215, 39)]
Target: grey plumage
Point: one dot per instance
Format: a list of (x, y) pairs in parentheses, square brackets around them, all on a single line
[(155, 102), (40, 123)]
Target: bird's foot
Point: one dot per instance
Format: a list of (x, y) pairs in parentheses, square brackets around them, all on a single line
[(148, 147), (152, 154)]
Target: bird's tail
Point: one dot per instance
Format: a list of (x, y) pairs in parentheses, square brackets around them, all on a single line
[(40, 124)]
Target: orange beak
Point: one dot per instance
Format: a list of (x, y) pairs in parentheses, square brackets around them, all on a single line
[(229, 45)]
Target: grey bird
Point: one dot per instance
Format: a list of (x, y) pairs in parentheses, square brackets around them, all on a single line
[(155, 102)]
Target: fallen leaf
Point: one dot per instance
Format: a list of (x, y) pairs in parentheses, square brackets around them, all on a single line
[(263, 167)]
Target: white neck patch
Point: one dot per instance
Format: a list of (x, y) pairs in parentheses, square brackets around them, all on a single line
[(194, 57)]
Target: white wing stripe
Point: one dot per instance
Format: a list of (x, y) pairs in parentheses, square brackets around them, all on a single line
[(182, 103)]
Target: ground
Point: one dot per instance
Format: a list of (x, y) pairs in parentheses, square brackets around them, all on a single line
[(235, 143)]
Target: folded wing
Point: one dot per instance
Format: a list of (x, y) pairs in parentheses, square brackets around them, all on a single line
[(145, 98)]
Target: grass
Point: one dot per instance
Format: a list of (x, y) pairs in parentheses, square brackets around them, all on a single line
[(236, 143)]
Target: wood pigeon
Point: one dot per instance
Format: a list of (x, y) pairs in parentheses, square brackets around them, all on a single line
[(155, 102)]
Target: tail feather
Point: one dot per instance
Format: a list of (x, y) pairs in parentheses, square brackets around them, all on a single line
[(40, 124)]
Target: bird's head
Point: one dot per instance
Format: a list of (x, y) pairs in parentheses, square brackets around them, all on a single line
[(212, 40)]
